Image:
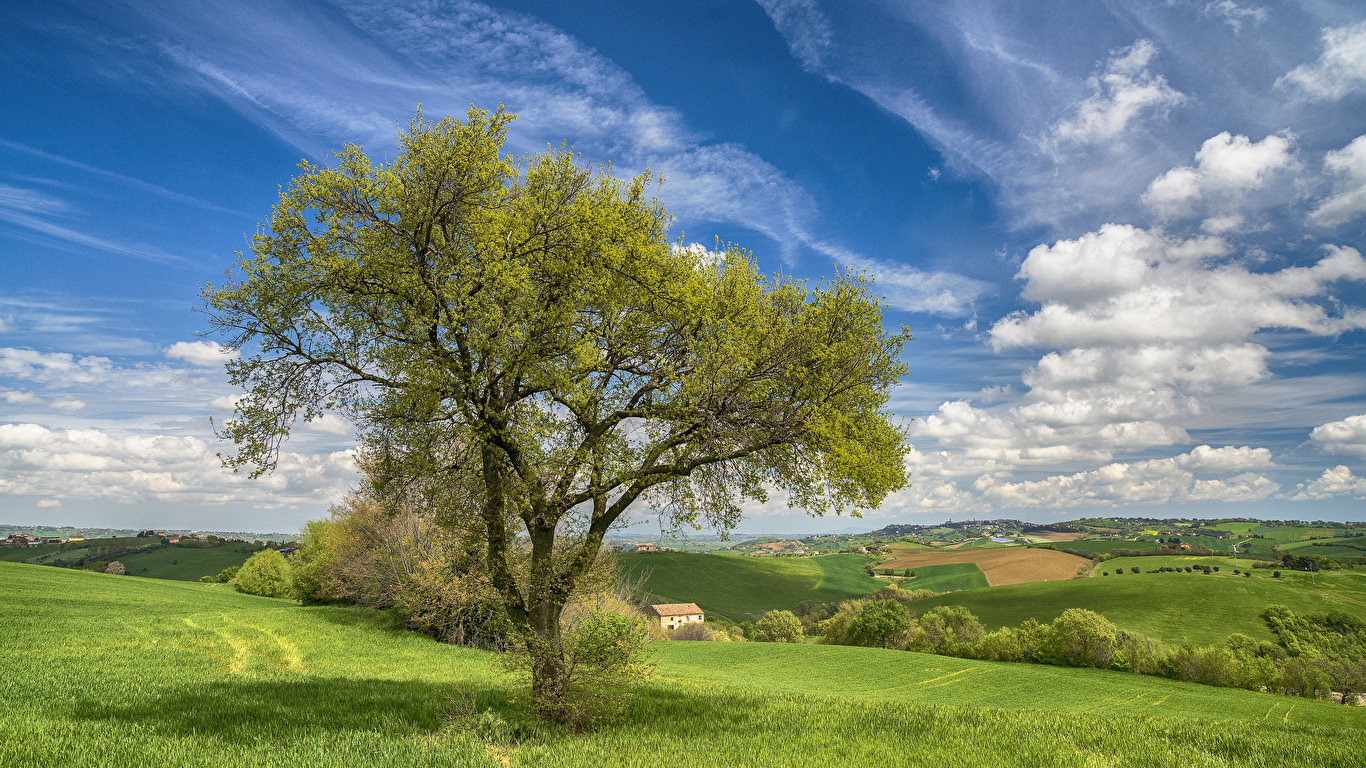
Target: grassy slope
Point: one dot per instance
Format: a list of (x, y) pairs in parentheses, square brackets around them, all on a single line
[(740, 588), (141, 672), (947, 578), (1170, 607), (186, 564)]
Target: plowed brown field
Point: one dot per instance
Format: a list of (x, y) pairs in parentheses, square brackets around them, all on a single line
[(1057, 536), (1015, 565)]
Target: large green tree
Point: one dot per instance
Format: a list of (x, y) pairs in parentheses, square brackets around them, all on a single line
[(517, 339)]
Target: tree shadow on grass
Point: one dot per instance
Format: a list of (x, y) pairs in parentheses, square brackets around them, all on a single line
[(250, 710)]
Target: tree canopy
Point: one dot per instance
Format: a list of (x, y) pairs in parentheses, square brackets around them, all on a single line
[(519, 343)]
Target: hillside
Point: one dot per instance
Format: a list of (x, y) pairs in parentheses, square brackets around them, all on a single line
[(193, 675), (740, 588), (155, 561), (1170, 607)]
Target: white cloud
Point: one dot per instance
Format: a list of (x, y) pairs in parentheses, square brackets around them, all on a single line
[(1234, 14), (1227, 167), (1158, 481), (49, 503), (1346, 436), (1348, 200), (62, 369), (914, 290), (805, 28), (226, 402), (97, 464), (208, 354), (1337, 481), (1121, 93), (1340, 70), (67, 404), (329, 423), (1126, 286), (15, 397)]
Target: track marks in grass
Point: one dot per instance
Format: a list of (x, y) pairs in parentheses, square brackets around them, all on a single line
[(250, 648)]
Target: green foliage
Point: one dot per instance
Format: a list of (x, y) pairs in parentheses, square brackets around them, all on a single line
[(266, 574), (227, 574), (311, 562), (208, 580), (518, 342), (880, 624), (1086, 638), (778, 627), (947, 630)]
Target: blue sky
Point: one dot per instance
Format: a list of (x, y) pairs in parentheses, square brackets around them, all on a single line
[(1127, 236)]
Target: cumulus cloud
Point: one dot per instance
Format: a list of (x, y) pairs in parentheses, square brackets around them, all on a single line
[(63, 369), (1158, 481), (208, 354), (1127, 287), (1121, 93), (1227, 168), (1340, 70), (1348, 201), (49, 503), (330, 424), (93, 463), (1337, 481), (1346, 436)]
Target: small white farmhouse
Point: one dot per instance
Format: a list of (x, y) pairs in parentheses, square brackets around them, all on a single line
[(671, 615)]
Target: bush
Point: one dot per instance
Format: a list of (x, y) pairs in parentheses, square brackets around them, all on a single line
[(267, 574), (778, 627), (880, 624), (115, 568), (1086, 638), (698, 631), (310, 564), (1275, 574), (208, 579), (946, 630), (602, 651), (1134, 569), (227, 574)]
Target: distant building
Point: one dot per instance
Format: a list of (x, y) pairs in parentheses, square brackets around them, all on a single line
[(645, 548), (672, 615), (50, 540), (75, 538), (172, 539)]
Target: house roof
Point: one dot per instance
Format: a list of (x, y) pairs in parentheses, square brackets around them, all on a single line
[(675, 609)]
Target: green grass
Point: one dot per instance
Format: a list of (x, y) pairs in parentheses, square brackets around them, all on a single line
[(114, 671), (187, 564), (947, 578), (1170, 607), (740, 588)]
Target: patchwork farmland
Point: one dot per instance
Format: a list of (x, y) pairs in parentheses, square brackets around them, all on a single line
[(1008, 565)]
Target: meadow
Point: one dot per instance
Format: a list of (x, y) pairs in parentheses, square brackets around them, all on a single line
[(118, 671), (742, 588), (1170, 607), (1000, 565), (949, 577), (157, 562)]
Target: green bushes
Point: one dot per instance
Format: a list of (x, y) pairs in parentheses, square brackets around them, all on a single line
[(778, 627), (267, 574), (1315, 656), (879, 624)]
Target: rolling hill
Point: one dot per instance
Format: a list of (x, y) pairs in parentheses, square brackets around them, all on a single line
[(116, 671)]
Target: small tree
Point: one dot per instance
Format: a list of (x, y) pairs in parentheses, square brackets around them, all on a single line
[(1087, 638), (880, 624), (267, 574), (115, 568), (227, 574), (778, 627)]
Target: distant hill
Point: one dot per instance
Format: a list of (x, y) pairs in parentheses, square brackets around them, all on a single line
[(740, 588)]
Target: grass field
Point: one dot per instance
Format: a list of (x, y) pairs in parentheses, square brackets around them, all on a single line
[(1170, 607), (740, 588), (1009, 565), (138, 672), (187, 564), (947, 578)]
